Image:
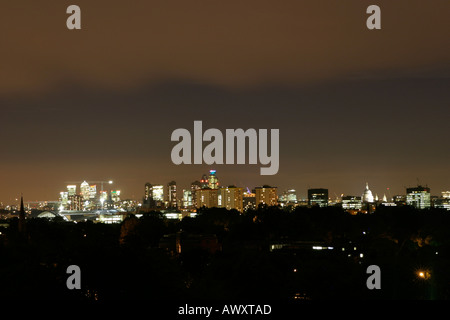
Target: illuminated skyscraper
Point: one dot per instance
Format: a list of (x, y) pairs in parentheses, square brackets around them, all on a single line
[(266, 195), (93, 192), (196, 185), (318, 197), (207, 198), (213, 181), (84, 190), (187, 198), (72, 190), (231, 198), (418, 197), (172, 194), (158, 195)]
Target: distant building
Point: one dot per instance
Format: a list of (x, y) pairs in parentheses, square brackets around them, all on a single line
[(443, 201), (231, 198), (289, 197), (266, 195), (154, 196), (172, 194), (196, 185), (367, 196), (84, 191), (187, 199), (318, 197), (213, 181), (72, 190), (418, 197), (207, 198), (351, 203), (399, 200)]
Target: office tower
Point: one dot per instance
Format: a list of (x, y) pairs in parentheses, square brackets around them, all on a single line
[(72, 190), (158, 195), (172, 194), (231, 198), (418, 197), (351, 203), (187, 198), (266, 195), (443, 201), (84, 190), (318, 197), (207, 198), (93, 192), (74, 202), (63, 200), (213, 181), (367, 195), (196, 185)]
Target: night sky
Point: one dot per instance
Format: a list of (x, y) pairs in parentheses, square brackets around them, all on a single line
[(352, 105)]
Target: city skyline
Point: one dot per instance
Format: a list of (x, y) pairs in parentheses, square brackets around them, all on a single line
[(352, 105), (302, 194)]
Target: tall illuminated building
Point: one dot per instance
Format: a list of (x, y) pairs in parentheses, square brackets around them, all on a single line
[(207, 198), (63, 200), (172, 194), (158, 195), (266, 195), (231, 198), (93, 192), (196, 185), (72, 190), (187, 198), (318, 197), (85, 190), (418, 197), (213, 181)]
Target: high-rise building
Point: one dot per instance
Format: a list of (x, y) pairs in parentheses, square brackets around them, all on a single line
[(196, 185), (266, 195), (172, 194), (187, 198), (72, 189), (231, 198), (63, 200), (318, 196), (93, 192), (418, 197), (84, 191), (207, 198), (158, 195), (213, 181)]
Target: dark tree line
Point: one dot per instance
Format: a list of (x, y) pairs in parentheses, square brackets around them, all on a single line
[(128, 261)]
